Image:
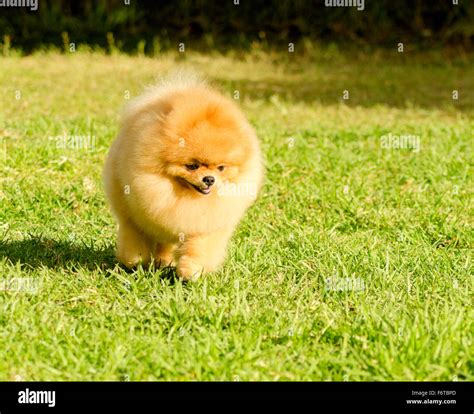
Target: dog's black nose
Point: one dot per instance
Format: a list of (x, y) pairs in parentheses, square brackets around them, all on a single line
[(209, 180)]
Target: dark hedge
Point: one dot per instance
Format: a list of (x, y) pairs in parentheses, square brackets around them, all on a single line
[(162, 24)]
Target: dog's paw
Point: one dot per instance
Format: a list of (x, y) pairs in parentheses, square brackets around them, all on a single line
[(189, 270), (132, 261), (165, 262), (163, 255)]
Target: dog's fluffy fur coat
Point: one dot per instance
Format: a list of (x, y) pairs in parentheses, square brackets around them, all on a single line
[(180, 175)]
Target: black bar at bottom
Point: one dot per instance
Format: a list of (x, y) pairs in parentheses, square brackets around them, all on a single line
[(369, 396)]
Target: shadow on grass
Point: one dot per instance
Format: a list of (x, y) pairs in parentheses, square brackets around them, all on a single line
[(40, 252)]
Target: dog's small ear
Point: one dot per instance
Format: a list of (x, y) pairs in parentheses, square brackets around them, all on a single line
[(165, 108), (158, 112)]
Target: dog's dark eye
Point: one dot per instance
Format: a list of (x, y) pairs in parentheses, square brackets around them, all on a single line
[(192, 166), (221, 168)]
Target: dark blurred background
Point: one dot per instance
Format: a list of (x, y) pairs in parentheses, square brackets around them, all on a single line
[(153, 26)]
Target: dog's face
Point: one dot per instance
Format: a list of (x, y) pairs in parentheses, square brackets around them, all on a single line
[(207, 159), (205, 150), (202, 176)]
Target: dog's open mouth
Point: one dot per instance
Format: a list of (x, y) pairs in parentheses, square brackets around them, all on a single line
[(205, 190)]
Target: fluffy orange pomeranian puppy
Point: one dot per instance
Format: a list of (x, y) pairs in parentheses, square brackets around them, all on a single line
[(180, 175)]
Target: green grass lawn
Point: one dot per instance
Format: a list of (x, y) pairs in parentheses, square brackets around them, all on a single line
[(355, 264)]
